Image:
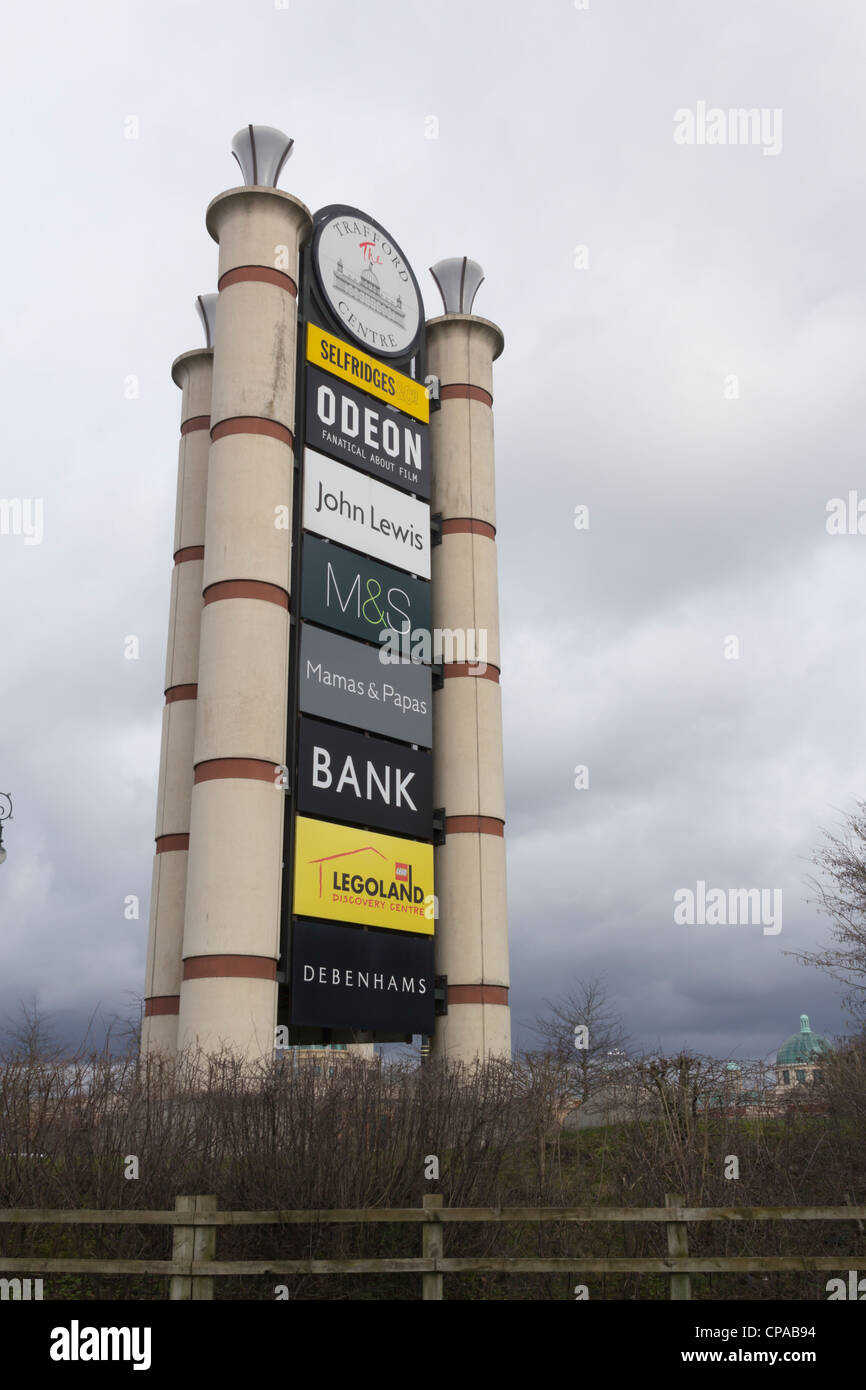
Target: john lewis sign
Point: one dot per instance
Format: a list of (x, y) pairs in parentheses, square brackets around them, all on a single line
[(354, 510)]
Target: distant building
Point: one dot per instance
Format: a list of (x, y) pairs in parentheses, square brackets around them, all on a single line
[(798, 1060), (797, 1067), (323, 1058)]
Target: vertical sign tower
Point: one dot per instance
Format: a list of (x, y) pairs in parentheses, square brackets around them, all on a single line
[(324, 748)]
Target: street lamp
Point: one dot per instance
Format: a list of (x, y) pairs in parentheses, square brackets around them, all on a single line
[(4, 815)]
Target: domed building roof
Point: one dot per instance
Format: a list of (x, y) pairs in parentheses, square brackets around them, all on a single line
[(802, 1046)]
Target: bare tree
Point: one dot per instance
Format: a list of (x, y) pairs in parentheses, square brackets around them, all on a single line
[(841, 896), (585, 1035), (29, 1036)]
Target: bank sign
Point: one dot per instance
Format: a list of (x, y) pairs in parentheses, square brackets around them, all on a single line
[(355, 428), (351, 777), (344, 680), (354, 510), (369, 980), (358, 596), (360, 876)]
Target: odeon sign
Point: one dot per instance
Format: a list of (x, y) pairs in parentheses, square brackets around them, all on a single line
[(384, 442)]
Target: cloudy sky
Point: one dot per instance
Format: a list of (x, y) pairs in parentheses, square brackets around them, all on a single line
[(685, 345)]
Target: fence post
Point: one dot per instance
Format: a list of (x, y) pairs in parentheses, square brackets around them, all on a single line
[(181, 1249), (204, 1248), (193, 1243), (432, 1246), (678, 1244)]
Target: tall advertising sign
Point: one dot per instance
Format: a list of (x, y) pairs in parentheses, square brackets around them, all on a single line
[(358, 889)]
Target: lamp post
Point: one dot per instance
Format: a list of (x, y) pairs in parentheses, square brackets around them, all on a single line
[(4, 815)]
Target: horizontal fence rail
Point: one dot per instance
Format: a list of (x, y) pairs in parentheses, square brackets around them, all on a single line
[(195, 1222)]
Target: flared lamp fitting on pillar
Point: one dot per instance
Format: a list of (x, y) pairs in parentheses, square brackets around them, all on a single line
[(261, 151), (4, 815), (458, 280), (206, 306)]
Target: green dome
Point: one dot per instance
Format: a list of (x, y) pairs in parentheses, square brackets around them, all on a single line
[(801, 1047)]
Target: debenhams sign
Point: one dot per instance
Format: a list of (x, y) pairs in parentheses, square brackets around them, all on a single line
[(346, 978)]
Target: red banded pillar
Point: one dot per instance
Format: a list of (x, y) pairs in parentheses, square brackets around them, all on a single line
[(192, 372), (472, 931), (228, 993)]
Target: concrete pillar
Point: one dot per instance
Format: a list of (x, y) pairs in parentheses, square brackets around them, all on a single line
[(193, 373), (228, 994), (472, 931)]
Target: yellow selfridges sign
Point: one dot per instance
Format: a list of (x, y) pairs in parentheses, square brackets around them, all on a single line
[(354, 366), (357, 876)]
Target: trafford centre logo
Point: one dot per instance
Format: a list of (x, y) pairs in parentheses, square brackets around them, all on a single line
[(367, 282)]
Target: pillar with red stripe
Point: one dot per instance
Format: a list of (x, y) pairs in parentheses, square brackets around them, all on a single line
[(192, 372), (472, 930), (228, 993)]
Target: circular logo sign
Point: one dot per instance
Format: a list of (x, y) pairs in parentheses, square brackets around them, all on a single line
[(367, 283)]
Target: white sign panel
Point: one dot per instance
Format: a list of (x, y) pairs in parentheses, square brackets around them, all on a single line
[(358, 511)]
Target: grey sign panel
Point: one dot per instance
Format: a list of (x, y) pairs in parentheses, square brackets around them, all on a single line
[(349, 776), (345, 681), (366, 433), (343, 977), (360, 596)]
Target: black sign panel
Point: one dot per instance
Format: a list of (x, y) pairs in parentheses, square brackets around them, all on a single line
[(343, 775), (366, 433), (344, 977), (360, 596)]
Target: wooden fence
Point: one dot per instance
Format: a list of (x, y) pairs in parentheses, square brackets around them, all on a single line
[(196, 1220)]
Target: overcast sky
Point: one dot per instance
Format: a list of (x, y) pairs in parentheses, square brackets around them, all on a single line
[(685, 346)]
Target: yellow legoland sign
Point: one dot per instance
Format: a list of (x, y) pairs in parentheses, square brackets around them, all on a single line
[(352, 365), (352, 875)]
